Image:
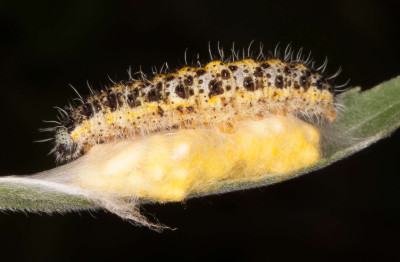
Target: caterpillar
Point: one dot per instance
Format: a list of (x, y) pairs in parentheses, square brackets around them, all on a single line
[(220, 93)]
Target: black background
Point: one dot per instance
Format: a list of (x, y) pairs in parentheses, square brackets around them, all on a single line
[(349, 210)]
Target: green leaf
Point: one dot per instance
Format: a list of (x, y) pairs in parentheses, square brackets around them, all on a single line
[(369, 116), (19, 193)]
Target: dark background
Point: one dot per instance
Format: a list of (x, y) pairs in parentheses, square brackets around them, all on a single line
[(349, 210)]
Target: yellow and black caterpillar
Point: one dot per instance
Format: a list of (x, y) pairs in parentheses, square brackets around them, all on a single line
[(220, 93)]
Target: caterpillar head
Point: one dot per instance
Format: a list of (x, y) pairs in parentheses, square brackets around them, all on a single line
[(65, 148)]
